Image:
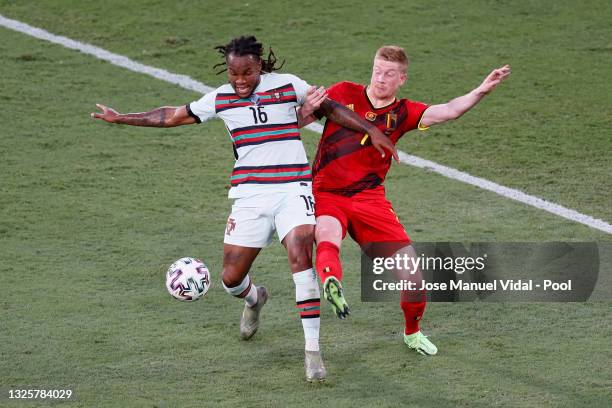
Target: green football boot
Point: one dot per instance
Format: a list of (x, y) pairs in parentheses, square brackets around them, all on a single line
[(420, 343), (332, 290)]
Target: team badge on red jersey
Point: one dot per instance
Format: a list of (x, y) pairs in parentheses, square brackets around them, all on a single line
[(371, 116)]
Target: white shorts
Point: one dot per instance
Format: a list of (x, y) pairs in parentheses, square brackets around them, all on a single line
[(254, 219)]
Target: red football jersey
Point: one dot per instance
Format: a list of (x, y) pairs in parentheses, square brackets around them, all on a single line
[(343, 165)]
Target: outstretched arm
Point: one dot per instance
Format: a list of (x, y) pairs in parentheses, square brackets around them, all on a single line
[(347, 118), (454, 109), (166, 116)]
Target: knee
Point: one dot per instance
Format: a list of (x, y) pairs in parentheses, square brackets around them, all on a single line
[(234, 285), (230, 278), (300, 260), (232, 274), (299, 252), (329, 233)]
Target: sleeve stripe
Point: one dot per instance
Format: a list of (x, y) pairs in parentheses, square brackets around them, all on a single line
[(420, 126), (193, 115)]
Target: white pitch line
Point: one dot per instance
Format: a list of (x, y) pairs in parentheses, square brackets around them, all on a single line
[(507, 192), (193, 85), (100, 53)]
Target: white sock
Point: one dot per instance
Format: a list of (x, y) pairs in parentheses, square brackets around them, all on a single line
[(244, 290), (251, 297), (308, 302)]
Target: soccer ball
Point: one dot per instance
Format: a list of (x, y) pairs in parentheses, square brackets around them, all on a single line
[(188, 279)]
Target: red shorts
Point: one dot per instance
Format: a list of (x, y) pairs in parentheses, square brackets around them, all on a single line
[(368, 216)]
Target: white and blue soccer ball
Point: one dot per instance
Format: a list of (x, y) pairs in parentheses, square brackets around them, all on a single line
[(188, 279)]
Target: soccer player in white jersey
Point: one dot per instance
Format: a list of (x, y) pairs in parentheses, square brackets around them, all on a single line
[(271, 180)]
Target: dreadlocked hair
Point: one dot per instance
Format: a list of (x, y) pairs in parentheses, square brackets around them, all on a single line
[(242, 46)]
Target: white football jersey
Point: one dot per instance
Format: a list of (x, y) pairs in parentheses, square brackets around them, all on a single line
[(270, 156)]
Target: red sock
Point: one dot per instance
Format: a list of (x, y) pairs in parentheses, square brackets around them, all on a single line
[(413, 311), (328, 261)]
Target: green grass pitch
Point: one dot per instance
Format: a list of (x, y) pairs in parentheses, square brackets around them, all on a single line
[(91, 214)]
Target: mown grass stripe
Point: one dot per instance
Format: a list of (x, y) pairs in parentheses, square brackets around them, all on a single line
[(189, 83)]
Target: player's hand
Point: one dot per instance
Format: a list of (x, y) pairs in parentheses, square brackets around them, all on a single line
[(108, 114), (314, 98), (382, 143), (494, 78)]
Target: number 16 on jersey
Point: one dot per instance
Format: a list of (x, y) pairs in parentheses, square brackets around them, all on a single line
[(310, 204)]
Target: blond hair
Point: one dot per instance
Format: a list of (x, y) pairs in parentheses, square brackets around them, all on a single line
[(393, 53)]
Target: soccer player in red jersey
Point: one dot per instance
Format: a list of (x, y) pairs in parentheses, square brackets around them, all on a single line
[(349, 175)]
